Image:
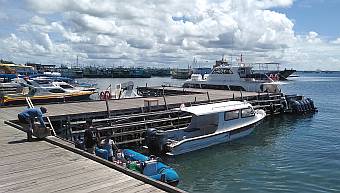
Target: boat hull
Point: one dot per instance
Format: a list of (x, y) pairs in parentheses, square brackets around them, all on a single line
[(204, 142), (235, 86), (43, 99), (283, 75)]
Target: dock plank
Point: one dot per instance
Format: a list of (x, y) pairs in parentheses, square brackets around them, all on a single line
[(42, 167), (64, 109)]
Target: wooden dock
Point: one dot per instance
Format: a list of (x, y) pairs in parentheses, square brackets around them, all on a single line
[(40, 166), (129, 118), (87, 109)]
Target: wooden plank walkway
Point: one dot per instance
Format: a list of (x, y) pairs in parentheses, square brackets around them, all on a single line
[(75, 108), (42, 167)]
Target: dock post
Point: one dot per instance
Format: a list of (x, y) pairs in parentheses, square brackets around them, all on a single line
[(233, 96), (107, 107), (208, 96), (241, 95), (166, 106), (195, 99)]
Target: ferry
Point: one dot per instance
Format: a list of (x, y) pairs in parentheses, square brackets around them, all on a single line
[(211, 124), (238, 78), (181, 73)]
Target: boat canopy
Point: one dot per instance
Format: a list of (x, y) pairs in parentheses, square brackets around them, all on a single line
[(215, 108)]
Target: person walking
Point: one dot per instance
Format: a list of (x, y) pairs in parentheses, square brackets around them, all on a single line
[(27, 117)]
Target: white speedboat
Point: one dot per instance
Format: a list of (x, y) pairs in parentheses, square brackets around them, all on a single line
[(69, 88), (226, 77), (211, 124), (123, 91)]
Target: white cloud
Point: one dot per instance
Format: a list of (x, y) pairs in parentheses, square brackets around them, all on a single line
[(337, 41), (36, 20), (313, 37), (163, 31)]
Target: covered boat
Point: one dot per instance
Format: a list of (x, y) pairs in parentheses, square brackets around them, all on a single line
[(210, 124), (152, 167)]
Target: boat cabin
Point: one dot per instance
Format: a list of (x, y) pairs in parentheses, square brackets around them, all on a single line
[(212, 118)]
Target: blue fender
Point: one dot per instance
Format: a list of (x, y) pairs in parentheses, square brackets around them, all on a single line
[(134, 156)]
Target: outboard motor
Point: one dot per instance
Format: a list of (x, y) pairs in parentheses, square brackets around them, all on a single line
[(156, 141), (296, 106), (303, 104), (311, 103), (308, 105)]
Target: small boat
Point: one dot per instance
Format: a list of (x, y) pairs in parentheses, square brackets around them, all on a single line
[(71, 89), (152, 167), (122, 91), (19, 99), (282, 74), (211, 124)]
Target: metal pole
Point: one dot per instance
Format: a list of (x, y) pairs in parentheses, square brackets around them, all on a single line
[(107, 106), (208, 96), (166, 106)]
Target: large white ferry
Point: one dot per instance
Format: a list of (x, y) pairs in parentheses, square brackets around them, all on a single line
[(228, 77)]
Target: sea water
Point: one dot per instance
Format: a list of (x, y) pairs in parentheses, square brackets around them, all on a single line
[(286, 153)]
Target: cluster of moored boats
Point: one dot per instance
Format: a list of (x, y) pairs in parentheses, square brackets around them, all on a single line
[(46, 88), (43, 89)]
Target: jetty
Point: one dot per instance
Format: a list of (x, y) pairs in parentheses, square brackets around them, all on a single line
[(129, 118), (53, 165)]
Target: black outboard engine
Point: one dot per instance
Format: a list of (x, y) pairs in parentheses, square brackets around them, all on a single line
[(302, 106), (156, 141)]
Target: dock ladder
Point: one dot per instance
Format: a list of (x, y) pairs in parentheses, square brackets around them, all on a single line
[(30, 105)]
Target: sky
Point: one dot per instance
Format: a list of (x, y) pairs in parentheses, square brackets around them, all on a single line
[(300, 34)]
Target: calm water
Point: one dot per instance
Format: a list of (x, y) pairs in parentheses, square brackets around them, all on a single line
[(284, 154)]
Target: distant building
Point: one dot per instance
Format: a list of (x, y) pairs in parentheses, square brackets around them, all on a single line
[(42, 67)]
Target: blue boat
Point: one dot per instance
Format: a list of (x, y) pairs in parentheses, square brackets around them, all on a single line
[(152, 167)]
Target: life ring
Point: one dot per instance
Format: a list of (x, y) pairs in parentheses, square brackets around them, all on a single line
[(102, 95), (107, 95)]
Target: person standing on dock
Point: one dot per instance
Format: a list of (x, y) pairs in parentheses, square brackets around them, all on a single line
[(90, 138), (109, 145), (28, 116)]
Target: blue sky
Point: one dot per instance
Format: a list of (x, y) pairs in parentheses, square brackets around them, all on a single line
[(301, 34), (321, 16)]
